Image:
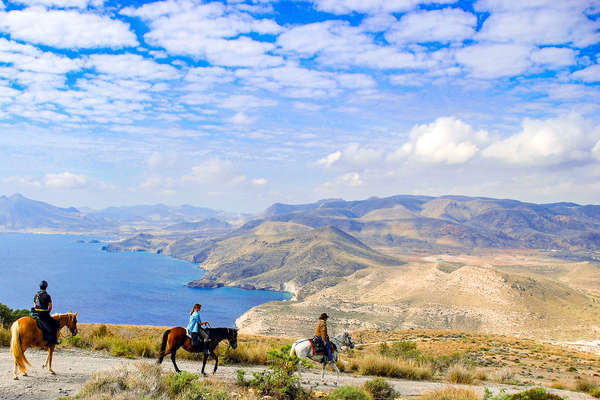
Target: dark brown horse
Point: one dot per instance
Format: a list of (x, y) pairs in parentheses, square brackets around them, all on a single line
[(175, 338), (25, 333)]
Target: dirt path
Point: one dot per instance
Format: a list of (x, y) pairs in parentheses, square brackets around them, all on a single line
[(74, 367)]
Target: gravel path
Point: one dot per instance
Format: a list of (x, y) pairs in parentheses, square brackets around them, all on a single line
[(74, 367)]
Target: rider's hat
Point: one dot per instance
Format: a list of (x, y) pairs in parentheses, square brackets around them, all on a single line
[(323, 316), (43, 285)]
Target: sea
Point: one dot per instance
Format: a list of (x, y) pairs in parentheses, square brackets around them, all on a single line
[(114, 287)]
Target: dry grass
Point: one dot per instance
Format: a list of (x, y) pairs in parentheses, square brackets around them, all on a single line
[(148, 381), (378, 365), (450, 393), (460, 374)]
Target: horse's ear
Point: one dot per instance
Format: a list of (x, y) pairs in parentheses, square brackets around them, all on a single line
[(70, 311), (76, 313)]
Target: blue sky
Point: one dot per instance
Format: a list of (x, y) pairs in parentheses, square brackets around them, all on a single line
[(239, 104)]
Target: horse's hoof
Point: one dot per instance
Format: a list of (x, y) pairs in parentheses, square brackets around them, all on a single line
[(16, 378), (52, 372), (25, 374)]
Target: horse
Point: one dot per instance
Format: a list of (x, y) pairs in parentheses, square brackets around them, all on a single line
[(304, 349), (177, 337), (25, 333)]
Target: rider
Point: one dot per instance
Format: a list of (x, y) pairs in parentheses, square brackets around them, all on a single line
[(194, 327), (42, 307), (321, 333)]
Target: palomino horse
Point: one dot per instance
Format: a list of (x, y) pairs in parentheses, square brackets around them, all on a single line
[(175, 338), (25, 333), (304, 349)]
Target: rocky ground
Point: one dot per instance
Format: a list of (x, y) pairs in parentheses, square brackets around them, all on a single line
[(74, 367)]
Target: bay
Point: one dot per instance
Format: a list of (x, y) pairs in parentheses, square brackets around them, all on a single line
[(119, 288)]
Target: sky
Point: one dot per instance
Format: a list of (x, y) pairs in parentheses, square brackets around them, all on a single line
[(236, 105)]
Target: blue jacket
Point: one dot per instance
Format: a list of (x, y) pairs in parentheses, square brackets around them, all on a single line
[(194, 323)]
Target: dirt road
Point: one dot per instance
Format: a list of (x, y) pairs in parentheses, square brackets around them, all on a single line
[(74, 367)]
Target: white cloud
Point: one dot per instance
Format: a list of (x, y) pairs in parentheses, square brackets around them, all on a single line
[(547, 142), (336, 43), (446, 25), (371, 6), (65, 180), (330, 159), (207, 31), (131, 66), (259, 181), (241, 118), (552, 24), (28, 58), (446, 140), (495, 60), (351, 179), (554, 57), (214, 171), (589, 74), (63, 3), (66, 29)]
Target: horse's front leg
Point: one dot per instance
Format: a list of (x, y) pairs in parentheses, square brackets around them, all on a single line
[(49, 359), (337, 371), (204, 363)]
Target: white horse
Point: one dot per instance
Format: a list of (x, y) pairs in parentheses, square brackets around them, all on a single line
[(303, 349)]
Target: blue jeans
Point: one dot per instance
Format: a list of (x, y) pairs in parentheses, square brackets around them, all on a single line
[(327, 346)]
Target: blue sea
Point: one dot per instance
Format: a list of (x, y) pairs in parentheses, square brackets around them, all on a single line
[(118, 288)]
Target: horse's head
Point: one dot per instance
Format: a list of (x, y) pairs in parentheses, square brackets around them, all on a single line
[(72, 323), (232, 338), (347, 340)]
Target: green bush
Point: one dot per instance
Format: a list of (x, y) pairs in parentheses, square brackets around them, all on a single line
[(8, 315), (279, 380), (531, 394), (379, 389), (4, 337), (405, 349), (176, 383), (348, 393)]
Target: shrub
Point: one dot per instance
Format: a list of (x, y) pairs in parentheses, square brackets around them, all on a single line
[(4, 337), (405, 349), (101, 332), (535, 394), (450, 393), (279, 379), (8, 316), (348, 393), (178, 382), (584, 384), (460, 374), (505, 376), (379, 389)]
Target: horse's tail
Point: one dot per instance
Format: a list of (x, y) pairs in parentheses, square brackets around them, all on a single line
[(163, 345), (15, 347), (293, 350)]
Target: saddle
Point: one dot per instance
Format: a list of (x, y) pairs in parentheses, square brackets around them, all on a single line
[(48, 325), (318, 346)]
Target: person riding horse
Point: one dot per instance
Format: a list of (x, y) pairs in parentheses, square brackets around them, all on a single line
[(195, 328), (321, 334), (41, 311)]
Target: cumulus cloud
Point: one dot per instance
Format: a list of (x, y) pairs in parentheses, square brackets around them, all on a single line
[(371, 6), (539, 22), (63, 3), (65, 180), (66, 29), (495, 60), (337, 43), (131, 66), (547, 142), (446, 140), (555, 57), (330, 159), (214, 171), (589, 74), (207, 31), (445, 25)]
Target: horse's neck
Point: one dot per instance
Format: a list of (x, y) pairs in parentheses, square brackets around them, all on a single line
[(338, 340), (63, 319)]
